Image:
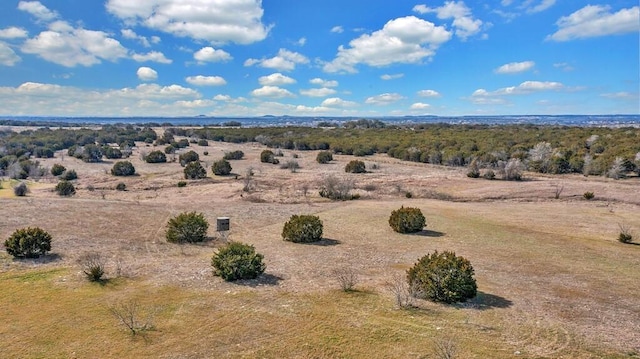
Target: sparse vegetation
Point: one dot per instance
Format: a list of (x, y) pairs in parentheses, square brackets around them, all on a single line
[(134, 317), (123, 168), (302, 229), (291, 165), (182, 184), (336, 188), (65, 188), (221, 168), (267, 156), (187, 227), (121, 186), (28, 243), (355, 166), (407, 220), (347, 278), (236, 260)]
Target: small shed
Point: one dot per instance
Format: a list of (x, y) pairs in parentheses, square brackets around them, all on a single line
[(222, 224)]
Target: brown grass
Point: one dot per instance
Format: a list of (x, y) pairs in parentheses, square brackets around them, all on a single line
[(553, 280)]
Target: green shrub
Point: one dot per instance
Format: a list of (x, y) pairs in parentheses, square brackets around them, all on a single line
[(324, 157), (206, 153), (221, 168), (442, 277), (123, 168), (625, 235), (121, 186), (267, 156), (236, 260), (355, 166), (92, 266), (188, 227), (65, 188), (182, 184), (194, 170), (57, 169), (21, 189), (91, 153), (156, 157), (188, 157), (112, 153), (588, 195), (169, 149), (203, 142), (28, 243), (407, 220), (234, 155), (302, 229), (69, 175)]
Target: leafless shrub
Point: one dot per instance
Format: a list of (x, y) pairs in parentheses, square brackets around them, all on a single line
[(248, 181), (399, 287), (93, 266), (511, 170), (617, 170), (335, 188), (445, 348), (347, 278), (134, 317), (291, 165), (557, 191)]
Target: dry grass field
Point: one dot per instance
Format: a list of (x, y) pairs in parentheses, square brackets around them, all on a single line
[(553, 280)]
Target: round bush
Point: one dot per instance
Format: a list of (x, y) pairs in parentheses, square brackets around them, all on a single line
[(123, 168), (221, 168), (442, 277), (112, 153), (203, 142), (194, 170), (188, 157), (234, 155), (65, 188), (407, 220), (121, 186), (237, 260), (302, 229), (69, 175), (324, 157), (355, 166), (156, 157), (187, 227), (28, 243), (57, 169), (21, 189), (267, 156)]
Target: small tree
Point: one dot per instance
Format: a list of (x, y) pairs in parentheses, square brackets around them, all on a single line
[(221, 168), (65, 188), (237, 260), (188, 157), (57, 169), (194, 170), (302, 229), (28, 243), (355, 166), (324, 157), (155, 157), (123, 168), (21, 189), (188, 227), (442, 277), (91, 153), (407, 220)]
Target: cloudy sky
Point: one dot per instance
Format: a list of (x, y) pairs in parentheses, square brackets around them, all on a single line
[(318, 57)]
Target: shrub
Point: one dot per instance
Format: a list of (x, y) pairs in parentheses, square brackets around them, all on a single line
[(267, 156), (194, 170), (28, 243), (407, 220), (188, 227), (625, 234), (355, 166), (123, 168), (474, 170), (69, 175), (203, 142), (169, 149), (234, 155), (121, 186), (182, 184), (65, 188), (112, 153), (442, 277), (91, 153), (57, 169), (291, 165), (588, 195), (221, 168), (92, 265), (21, 189), (324, 157), (490, 175), (337, 189), (206, 153), (188, 157), (155, 157), (302, 229), (237, 260)]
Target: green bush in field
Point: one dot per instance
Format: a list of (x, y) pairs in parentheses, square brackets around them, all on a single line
[(156, 157), (355, 166), (442, 277), (234, 155), (189, 227), (21, 189), (28, 243), (69, 175), (407, 220), (65, 188), (237, 260), (188, 157), (123, 168), (194, 170), (57, 169), (267, 156), (302, 229), (324, 157), (121, 186), (221, 168)]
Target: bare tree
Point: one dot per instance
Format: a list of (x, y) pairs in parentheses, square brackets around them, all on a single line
[(445, 348), (347, 278), (399, 287), (557, 191), (132, 316)]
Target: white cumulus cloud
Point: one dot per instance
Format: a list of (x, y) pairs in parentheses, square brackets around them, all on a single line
[(8, 57), (38, 10), (154, 56), (147, 74), (524, 88), (200, 80), (276, 79), (337, 102), (272, 92), (596, 21), (209, 54), (428, 93), (13, 33), (384, 99), (319, 92), (419, 106), (515, 67), (463, 21), (323, 83), (388, 77), (337, 29), (285, 60)]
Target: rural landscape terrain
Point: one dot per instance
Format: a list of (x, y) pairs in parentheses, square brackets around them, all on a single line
[(553, 278)]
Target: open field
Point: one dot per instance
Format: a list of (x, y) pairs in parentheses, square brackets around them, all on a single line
[(553, 280)]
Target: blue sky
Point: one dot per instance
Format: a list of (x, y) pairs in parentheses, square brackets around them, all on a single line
[(318, 58)]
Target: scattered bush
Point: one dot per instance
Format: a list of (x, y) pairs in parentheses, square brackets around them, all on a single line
[(188, 227), (194, 170), (625, 234), (442, 277), (302, 229), (28, 243), (203, 142), (588, 196), (324, 157), (121, 186), (182, 184), (237, 260), (92, 265), (112, 153), (155, 157), (206, 153), (267, 156), (65, 188), (221, 168), (123, 168), (234, 155), (21, 189), (291, 165), (337, 189), (490, 175), (347, 278), (69, 175), (355, 166), (57, 169), (407, 220), (169, 149), (408, 194), (188, 157), (474, 170)]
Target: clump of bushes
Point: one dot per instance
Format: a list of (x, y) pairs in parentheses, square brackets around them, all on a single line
[(194, 170), (221, 168), (57, 169), (123, 168), (442, 277), (188, 157), (588, 196), (302, 229), (236, 260), (233, 155), (28, 243), (267, 156), (187, 227), (407, 220), (355, 166), (155, 157), (21, 189), (65, 188), (69, 175), (324, 157), (112, 153)]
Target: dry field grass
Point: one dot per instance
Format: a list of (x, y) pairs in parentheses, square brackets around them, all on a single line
[(553, 280)]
